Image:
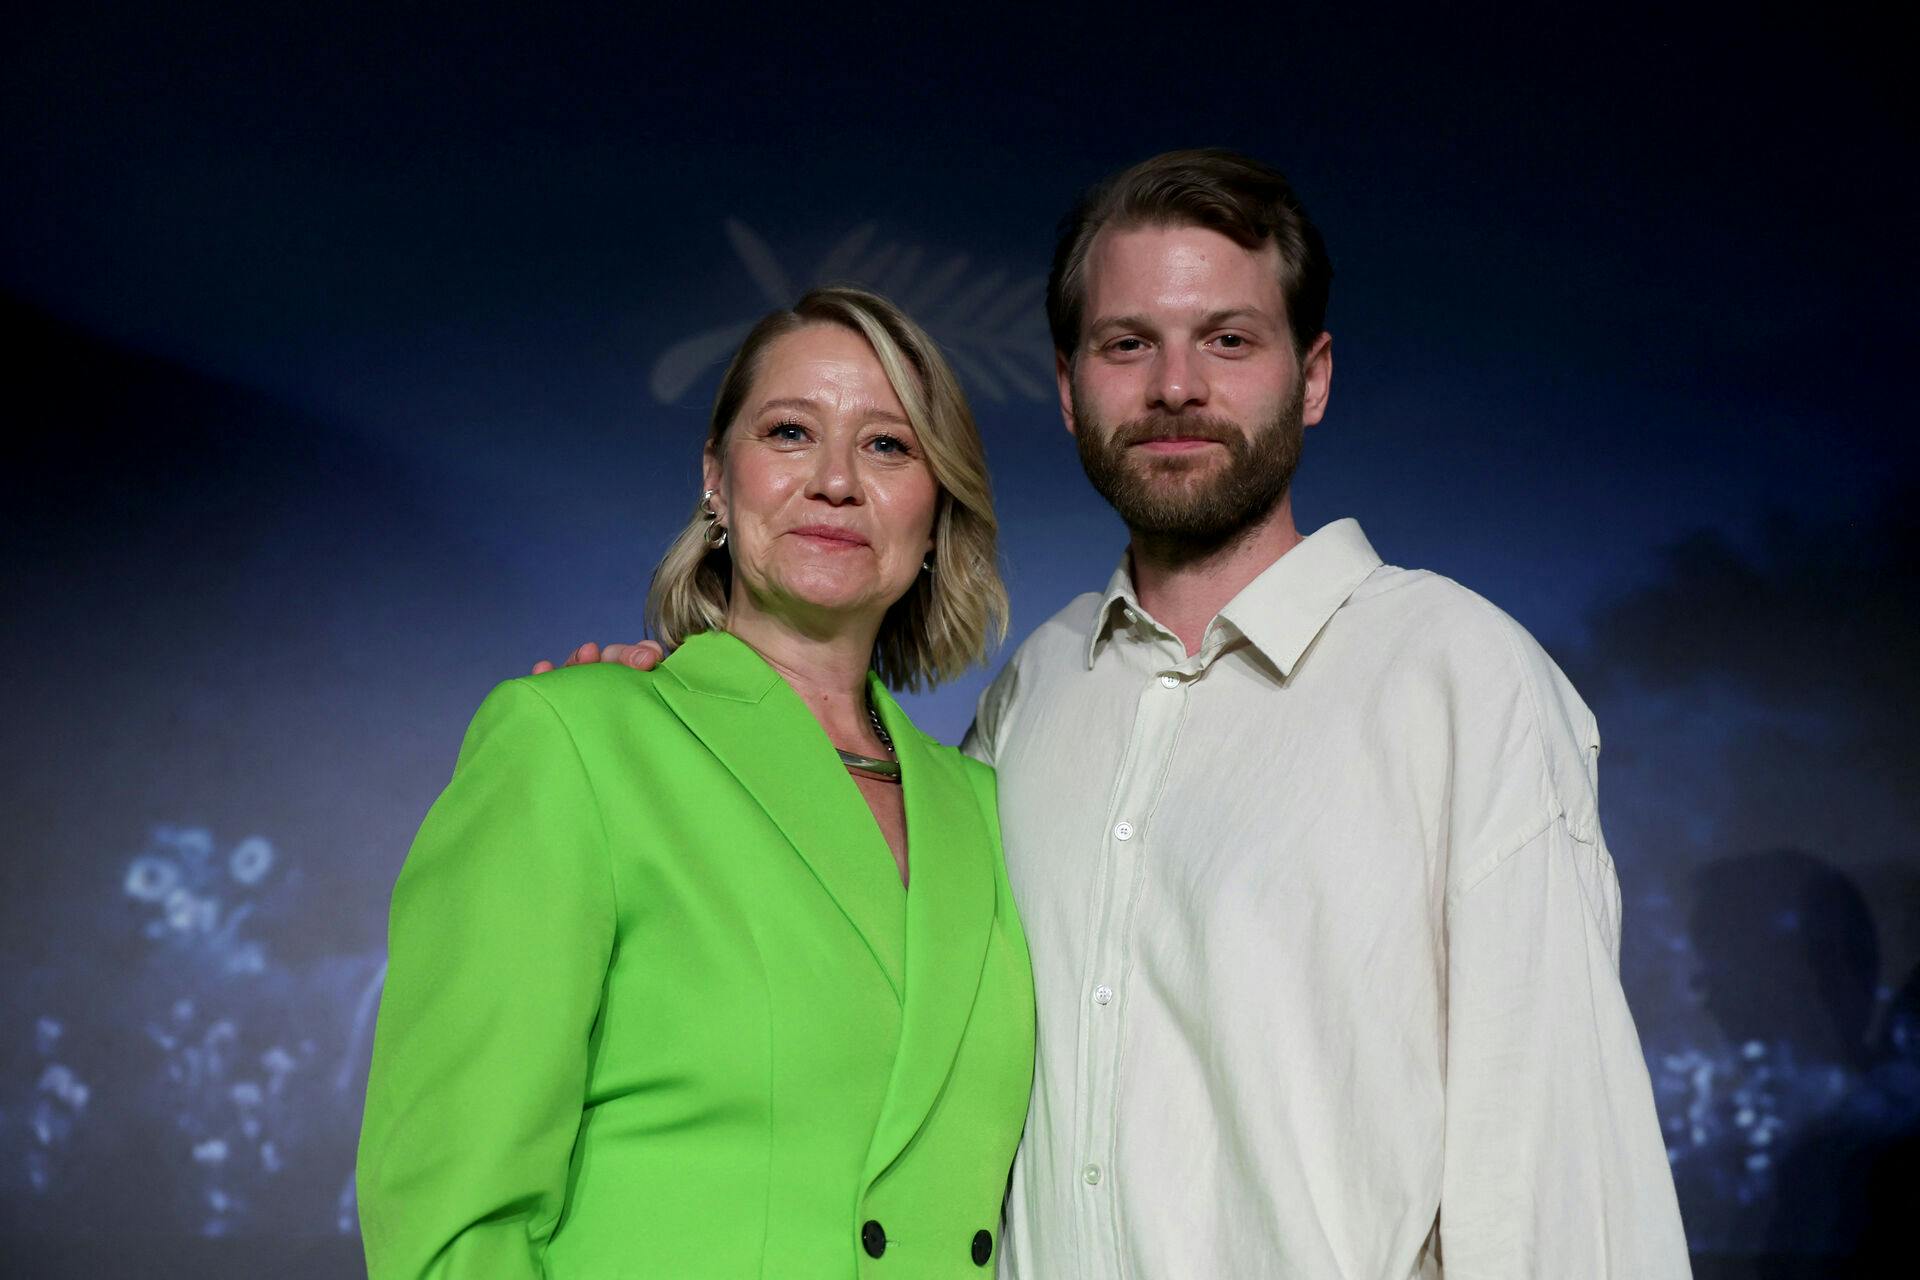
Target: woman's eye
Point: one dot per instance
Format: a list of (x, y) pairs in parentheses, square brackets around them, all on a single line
[(787, 431), (891, 445)]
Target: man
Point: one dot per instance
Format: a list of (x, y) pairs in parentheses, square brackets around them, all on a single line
[(1324, 932)]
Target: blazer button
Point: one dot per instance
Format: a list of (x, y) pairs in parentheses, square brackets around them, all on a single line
[(873, 1239), (982, 1247)]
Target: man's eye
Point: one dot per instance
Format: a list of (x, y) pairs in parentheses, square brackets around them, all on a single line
[(1231, 341), (1126, 346)]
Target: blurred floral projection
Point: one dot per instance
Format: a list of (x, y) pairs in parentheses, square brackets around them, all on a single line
[(1762, 802), (252, 1069), (1800, 1142)]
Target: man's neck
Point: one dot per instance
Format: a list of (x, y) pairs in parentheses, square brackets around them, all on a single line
[(1184, 587)]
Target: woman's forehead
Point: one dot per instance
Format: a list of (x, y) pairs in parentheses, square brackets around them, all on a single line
[(826, 368)]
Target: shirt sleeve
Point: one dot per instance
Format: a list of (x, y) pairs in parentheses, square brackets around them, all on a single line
[(499, 940), (1554, 1162), (983, 735)]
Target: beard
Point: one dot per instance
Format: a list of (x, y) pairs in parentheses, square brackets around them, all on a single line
[(1192, 502)]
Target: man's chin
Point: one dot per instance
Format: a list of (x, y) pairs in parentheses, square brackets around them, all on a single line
[(1176, 472), (1178, 484), (1188, 510), (1180, 529)]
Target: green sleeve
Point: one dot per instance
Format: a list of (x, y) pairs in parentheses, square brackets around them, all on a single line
[(499, 940)]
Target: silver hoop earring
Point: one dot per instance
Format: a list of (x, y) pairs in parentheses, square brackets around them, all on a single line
[(716, 533)]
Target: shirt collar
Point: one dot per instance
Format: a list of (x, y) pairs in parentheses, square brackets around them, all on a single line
[(1282, 610), (1117, 604)]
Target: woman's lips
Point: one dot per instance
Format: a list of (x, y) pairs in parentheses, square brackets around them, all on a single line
[(831, 536)]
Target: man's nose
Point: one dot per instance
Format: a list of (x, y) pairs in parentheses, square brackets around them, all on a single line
[(1179, 379)]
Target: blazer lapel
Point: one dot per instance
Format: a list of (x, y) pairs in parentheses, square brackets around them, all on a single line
[(758, 727), (949, 920)]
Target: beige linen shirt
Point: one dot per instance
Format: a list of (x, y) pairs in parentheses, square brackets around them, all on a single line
[(1325, 938)]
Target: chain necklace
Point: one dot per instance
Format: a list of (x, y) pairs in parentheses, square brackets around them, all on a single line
[(869, 766)]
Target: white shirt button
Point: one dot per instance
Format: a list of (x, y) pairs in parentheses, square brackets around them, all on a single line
[(1092, 1174), (1123, 831), (1102, 994), (1170, 680)]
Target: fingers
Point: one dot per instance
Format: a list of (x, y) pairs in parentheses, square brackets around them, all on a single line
[(642, 656), (586, 654)]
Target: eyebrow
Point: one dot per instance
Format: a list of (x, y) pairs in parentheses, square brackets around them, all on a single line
[(813, 406), (1212, 320)]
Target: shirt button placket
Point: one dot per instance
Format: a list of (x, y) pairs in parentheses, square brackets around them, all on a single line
[(1156, 718)]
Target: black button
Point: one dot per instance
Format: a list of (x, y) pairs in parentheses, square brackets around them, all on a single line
[(873, 1239), (982, 1247)]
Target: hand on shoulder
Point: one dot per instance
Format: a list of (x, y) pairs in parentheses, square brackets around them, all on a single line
[(644, 655)]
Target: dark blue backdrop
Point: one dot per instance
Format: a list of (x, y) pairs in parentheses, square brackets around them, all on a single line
[(362, 357)]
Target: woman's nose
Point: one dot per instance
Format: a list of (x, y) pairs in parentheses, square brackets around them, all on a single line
[(835, 478)]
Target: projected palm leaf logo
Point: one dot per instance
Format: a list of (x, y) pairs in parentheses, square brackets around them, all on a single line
[(992, 327)]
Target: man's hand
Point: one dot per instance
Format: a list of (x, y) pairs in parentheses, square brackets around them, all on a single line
[(644, 656)]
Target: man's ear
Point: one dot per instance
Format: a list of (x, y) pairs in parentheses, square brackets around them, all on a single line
[(1316, 375), (1063, 377)]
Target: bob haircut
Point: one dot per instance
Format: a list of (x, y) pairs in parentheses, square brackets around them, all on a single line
[(1250, 203), (951, 618)]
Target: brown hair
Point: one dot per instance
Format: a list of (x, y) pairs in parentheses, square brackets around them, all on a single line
[(950, 618), (1248, 202)]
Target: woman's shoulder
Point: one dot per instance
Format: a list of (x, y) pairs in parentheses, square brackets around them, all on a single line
[(589, 680), (582, 698)]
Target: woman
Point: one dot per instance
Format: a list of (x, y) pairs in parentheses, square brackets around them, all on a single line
[(661, 1002)]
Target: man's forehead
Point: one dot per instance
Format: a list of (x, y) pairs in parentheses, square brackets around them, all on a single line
[(1181, 267)]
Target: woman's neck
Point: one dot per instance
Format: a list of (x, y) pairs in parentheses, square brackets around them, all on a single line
[(828, 671)]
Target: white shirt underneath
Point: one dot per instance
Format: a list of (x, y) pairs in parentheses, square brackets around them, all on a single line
[(1325, 940)]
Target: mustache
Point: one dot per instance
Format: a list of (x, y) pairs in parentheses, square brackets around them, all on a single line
[(1168, 426)]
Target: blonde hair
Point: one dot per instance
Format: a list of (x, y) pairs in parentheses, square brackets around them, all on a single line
[(950, 618)]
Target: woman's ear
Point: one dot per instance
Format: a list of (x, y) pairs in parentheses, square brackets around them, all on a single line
[(710, 477)]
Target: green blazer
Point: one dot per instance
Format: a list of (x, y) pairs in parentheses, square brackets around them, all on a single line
[(658, 1005)]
